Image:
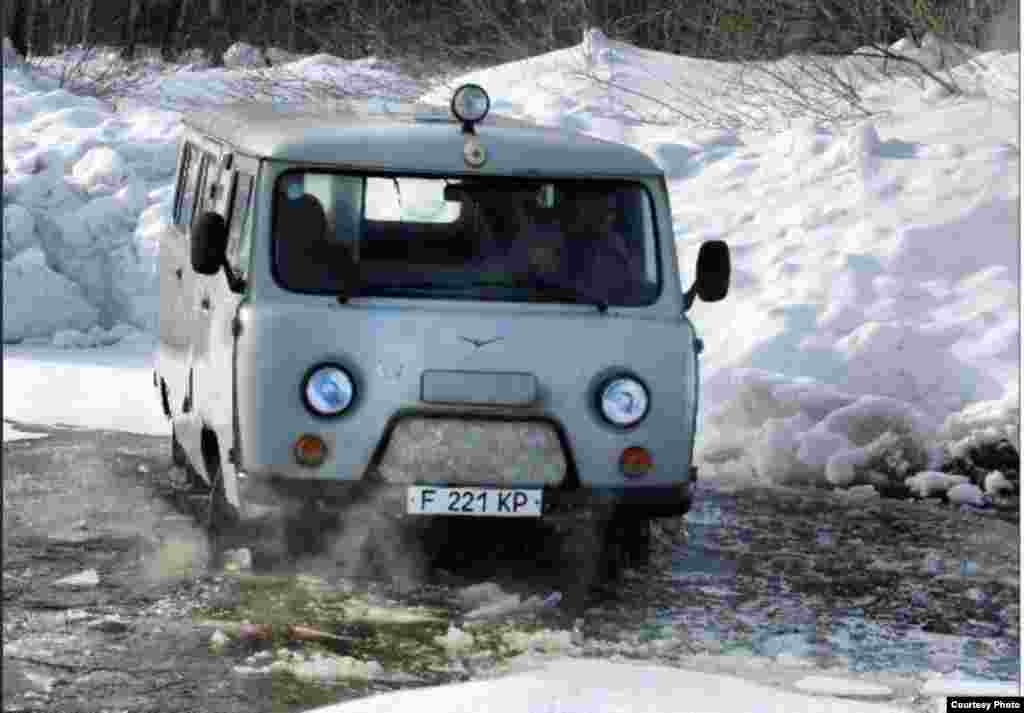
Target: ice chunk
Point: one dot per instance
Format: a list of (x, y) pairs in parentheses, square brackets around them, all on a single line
[(477, 594), (101, 170), (242, 55), (818, 445), (966, 494), (38, 301), (13, 434), (239, 559), (996, 482), (10, 55), (775, 452), (500, 607), (73, 117), (843, 467), (88, 578), (957, 685), (930, 482), (218, 641), (456, 641), (543, 641), (19, 230), (861, 492), (327, 667), (829, 686)]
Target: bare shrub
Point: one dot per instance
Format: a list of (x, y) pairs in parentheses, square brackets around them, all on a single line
[(790, 61), (94, 71)]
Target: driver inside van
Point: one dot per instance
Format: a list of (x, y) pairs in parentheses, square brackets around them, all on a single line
[(602, 264), (575, 245), (517, 243)]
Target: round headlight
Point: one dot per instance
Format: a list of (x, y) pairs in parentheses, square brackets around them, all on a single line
[(624, 401), (470, 103), (329, 391)]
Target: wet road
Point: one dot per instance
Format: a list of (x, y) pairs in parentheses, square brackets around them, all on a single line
[(764, 583)]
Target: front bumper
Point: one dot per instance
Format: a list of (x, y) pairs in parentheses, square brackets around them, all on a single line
[(262, 497)]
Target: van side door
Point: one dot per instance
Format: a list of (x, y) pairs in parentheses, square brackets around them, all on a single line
[(218, 297), (176, 282)]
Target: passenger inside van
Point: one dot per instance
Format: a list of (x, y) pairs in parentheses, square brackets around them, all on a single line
[(577, 245), (308, 256)]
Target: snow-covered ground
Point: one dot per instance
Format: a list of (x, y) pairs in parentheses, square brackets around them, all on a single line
[(567, 686), (874, 309)]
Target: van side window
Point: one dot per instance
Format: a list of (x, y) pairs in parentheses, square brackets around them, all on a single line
[(185, 200), (200, 185), (237, 252)]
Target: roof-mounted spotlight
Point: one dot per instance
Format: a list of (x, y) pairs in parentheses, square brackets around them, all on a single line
[(470, 104)]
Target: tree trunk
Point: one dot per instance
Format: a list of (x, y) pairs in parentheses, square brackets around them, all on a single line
[(68, 24), (166, 36), (291, 27), (87, 17), (264, 40), (31, 9), (216, 43), (130, 34), (16, 25), (183, 37)]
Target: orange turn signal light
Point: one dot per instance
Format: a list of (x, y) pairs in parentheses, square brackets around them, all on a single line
[(636, 461), (310, 450)]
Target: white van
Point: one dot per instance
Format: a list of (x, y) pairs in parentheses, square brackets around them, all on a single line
[(443, 314)]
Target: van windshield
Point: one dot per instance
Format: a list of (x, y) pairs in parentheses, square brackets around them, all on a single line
[(466, 238)]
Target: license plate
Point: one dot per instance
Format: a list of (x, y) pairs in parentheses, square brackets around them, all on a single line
[(490, 502)]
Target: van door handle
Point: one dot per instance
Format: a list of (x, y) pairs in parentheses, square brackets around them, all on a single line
[(204, 304), (178, 273)]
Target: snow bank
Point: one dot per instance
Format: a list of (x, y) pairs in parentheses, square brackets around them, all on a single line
[(599, 686), (10, 55), (110, 389), (77, 177), (39, 301), (241, 55), (13, 434)]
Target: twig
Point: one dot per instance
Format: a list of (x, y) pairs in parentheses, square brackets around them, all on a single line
[(87, 669)]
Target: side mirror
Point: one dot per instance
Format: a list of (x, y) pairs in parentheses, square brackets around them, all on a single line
[(714, 267), (209, 244)]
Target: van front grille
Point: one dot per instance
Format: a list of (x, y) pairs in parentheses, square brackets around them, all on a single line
[(459, 451)]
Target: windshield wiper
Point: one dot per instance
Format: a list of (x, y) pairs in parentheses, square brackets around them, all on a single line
[(579, 295)]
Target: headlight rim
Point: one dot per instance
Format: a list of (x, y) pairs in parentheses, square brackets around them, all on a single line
[(607, 381), (304, 385), (468, 87)]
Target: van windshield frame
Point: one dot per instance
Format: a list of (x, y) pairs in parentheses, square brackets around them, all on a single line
[(506, 239)]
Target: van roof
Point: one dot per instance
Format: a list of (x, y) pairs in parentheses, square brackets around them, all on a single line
[(423, 138)]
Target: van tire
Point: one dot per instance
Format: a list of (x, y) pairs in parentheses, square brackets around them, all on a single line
[(590, 557), (631, 535), (221, 515)]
